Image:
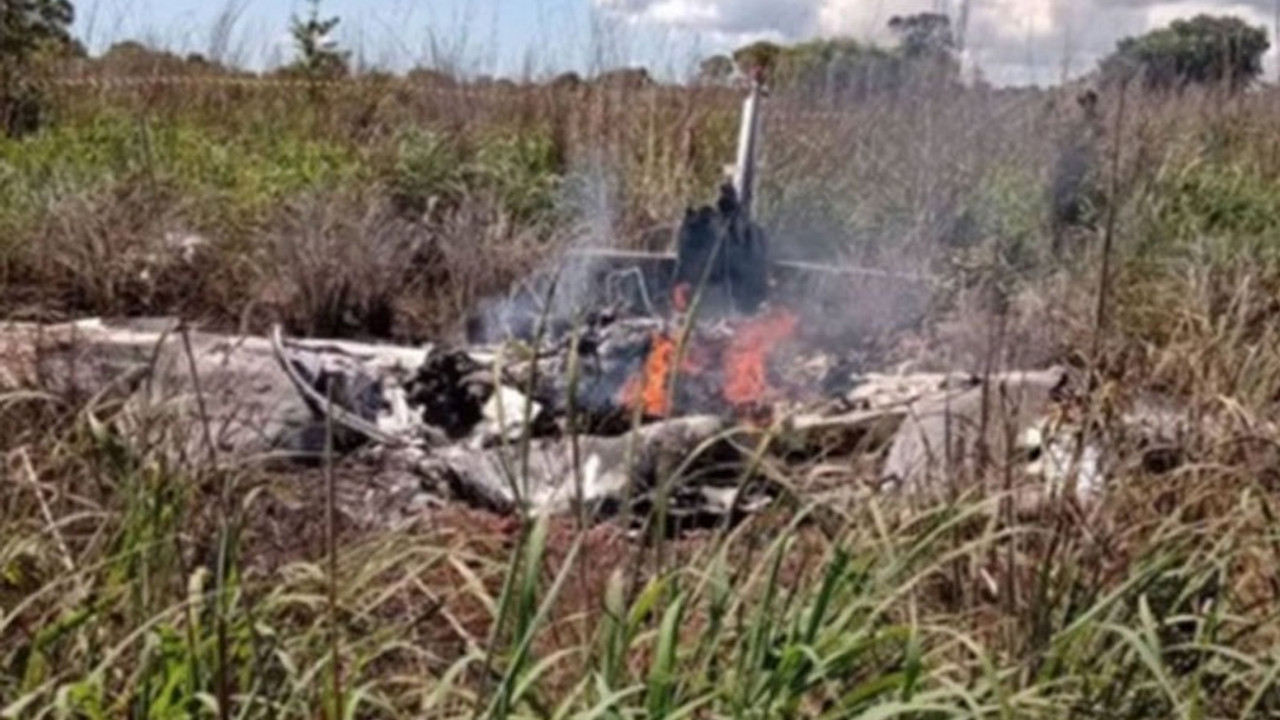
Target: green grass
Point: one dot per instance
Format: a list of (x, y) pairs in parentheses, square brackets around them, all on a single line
[(134, 587), (150, 604), (240, 176), (236, 179)]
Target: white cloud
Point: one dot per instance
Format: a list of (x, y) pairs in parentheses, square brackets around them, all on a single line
[(1013, 41), (866, 19), (787, 18)]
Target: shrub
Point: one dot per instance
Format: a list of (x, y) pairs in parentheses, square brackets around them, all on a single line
[(425, 168), (523, 169), (28, 29)]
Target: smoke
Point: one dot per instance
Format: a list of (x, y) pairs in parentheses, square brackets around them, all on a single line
[(562, 287), (869, 205)]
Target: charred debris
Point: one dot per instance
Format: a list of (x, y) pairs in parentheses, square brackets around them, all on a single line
[(711, 381)]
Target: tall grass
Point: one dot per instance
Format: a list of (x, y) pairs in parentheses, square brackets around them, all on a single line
[(129, 593), (132, 586)]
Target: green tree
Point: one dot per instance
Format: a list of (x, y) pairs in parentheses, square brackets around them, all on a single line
[(130, 58), (716, 70), (762, 55), (29, 31), (318, 55), (927, 46), (925, 52), (840, 66), (923, 36), (1205, 49)]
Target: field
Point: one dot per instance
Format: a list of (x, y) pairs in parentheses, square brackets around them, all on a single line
[(1138, 246)]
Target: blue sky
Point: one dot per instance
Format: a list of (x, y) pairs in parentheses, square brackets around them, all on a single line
[(1010, 41), (478, 36)]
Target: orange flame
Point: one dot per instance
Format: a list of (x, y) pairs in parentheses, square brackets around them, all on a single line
[(744, 360), (746, 382), (648, 388)]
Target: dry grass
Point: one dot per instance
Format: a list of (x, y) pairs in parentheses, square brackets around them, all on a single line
[(129, 586)]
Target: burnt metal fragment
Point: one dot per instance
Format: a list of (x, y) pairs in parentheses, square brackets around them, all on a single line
[(725, 254), (447, 390)]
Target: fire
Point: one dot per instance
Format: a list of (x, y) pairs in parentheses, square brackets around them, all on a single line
[(743, 361), (648, 388), (746, 381)]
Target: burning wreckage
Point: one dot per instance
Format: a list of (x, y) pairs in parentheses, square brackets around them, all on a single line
[(713, 419), (698, 389)]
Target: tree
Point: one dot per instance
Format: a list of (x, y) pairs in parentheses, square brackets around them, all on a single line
[(762, 55), (567, 81), (1203, 50), (923, 36), (628, 78), (318, 55), (130, 58), (832, 66), (838, 66), (29, 29), (430, 77), (716, 70), (927, 46), (926, 51)]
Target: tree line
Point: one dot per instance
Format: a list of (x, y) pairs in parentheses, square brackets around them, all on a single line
[(925, 51), (1205, 49)]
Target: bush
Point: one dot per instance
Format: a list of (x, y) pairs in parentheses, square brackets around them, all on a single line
[(523, 169), (335, 265), (425, 168), (30, 30)]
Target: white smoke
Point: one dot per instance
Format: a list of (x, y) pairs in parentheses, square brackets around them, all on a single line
[(559, 290)]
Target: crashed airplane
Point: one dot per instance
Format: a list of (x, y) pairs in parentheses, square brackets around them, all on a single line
[(699, 386)]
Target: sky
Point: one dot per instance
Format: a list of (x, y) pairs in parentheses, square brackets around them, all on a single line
[(1013, 42)]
